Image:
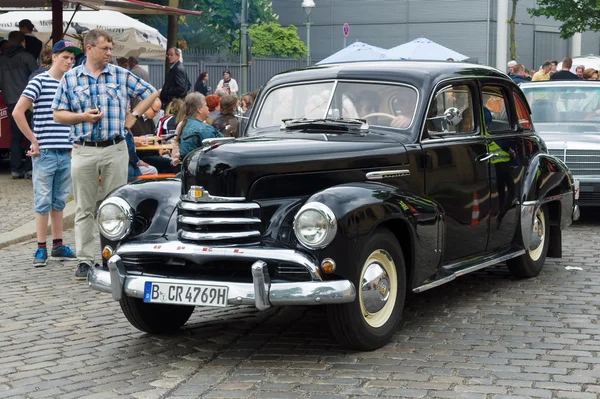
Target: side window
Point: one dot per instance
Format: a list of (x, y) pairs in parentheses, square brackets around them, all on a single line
[(451, 111), (495, 111), (523, 118)]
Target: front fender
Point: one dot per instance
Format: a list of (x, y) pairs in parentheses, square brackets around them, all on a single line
[(360, 208), (153, 202), (547, 180)]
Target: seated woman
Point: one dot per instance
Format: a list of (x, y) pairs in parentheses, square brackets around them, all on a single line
[(192, 129), (227, 123)]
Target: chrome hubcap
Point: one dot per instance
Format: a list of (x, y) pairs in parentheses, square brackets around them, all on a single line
[(375, 288), (379, 282), (537, 235)]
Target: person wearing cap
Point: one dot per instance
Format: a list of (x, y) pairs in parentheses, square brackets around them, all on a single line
[(50, 152), (15, 67), (228, 84), (33, 45), (93, 99)]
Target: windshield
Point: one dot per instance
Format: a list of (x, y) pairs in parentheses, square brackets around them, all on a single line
[(566, 104), (380, 104)]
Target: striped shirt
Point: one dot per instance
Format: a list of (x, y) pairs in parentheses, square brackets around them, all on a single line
[(79, 90), (49, 134)]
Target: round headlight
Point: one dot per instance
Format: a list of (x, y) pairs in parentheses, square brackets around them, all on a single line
[(115, 217), (315, 225)]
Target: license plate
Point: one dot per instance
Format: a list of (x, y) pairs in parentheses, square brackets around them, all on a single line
[(185, 294)]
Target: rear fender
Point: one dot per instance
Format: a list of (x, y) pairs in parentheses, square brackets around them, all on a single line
[(547, 180)]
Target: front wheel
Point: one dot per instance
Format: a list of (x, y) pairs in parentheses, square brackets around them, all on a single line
[(530, 264), (370, 321), (154, 318)]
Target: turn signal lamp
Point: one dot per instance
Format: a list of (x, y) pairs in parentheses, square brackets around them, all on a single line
[(328, 265), (107, 252)]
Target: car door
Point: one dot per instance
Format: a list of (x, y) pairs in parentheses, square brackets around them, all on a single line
[(456, 177), (507, 159)]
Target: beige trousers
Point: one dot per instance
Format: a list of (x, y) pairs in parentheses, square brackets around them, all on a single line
[(87, 164)]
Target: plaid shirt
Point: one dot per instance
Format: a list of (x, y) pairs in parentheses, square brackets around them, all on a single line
[(78, 90)]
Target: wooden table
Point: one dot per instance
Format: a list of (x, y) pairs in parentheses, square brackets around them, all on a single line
[(155, 147)]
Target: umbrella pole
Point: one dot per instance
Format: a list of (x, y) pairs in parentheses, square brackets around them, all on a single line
[(57, 20), (71, 20)]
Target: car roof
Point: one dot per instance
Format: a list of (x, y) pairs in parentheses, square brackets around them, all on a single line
[(416, 72), (560, 83)]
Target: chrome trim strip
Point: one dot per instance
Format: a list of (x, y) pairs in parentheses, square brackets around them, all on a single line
[(201, 221), (467, 270), (200, 253), (206, 197), (191, 235), (216, 206), (297, 293), (378, 175), (543, 201)]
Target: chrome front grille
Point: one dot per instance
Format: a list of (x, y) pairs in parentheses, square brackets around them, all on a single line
[(218, 222), (581, 162)]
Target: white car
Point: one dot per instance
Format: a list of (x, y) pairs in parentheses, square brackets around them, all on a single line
[(566, 114)]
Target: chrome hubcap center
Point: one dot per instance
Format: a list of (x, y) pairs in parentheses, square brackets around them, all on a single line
[(375, 288)]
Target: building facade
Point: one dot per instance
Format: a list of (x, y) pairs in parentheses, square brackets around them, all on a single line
[(466, 26)]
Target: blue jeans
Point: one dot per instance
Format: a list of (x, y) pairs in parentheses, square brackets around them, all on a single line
[(51, 180)]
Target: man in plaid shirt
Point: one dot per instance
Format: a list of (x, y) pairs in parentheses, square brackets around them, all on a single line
[(93, 98)]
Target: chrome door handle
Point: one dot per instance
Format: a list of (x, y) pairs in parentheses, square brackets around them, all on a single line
[(487, 157)]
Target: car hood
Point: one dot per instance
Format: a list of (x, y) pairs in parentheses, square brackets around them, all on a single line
[(575, 136), (252, 167)]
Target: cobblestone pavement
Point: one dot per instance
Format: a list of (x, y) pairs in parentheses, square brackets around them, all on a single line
[(484, 335), (16, 200)]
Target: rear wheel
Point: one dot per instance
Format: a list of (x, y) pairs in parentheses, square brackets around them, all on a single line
[(370, 321), (154, 318), (530, 264)]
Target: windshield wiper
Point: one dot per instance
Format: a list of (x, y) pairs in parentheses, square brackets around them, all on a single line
[(345, 125)]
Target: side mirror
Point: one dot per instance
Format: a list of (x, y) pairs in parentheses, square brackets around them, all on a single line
[(333, 113), (453, 116)]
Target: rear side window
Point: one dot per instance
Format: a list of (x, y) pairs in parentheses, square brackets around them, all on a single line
[(495, 111), (523, 118)]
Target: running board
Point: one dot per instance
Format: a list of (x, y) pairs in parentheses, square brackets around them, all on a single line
[(468, 270)]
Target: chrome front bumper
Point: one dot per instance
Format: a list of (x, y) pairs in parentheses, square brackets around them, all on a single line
[(260, 293)]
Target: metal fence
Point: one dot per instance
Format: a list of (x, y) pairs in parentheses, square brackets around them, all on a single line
[(195, 62)]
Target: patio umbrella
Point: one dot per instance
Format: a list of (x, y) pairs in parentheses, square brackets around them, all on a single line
[(356, 52), (424, 49), (130, 36)]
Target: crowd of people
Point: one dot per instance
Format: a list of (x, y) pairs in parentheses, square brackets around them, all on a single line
[(548, 71), (88, 120)]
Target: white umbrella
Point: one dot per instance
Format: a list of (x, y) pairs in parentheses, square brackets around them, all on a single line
[(356, 52), (424, 49), (130, 36)]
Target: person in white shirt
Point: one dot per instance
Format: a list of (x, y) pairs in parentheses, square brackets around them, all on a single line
[(228, 84)]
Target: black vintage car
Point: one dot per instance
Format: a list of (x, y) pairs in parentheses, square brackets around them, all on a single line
[(354, 184)]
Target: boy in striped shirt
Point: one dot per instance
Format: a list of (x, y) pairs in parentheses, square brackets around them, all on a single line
[(50, 152)]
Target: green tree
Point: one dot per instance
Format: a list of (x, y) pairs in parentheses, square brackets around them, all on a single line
[(273, 40), (217, 26), (576, 15)]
